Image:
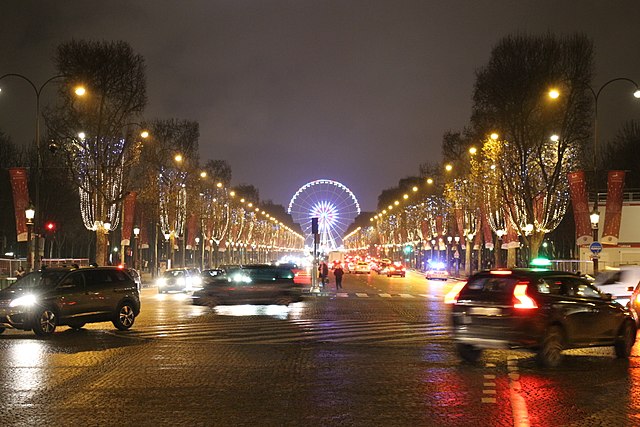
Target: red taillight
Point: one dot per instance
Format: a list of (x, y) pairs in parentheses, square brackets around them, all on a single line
[(522, 300), (452, 296)]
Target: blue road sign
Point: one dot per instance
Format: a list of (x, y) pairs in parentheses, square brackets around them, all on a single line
[(595, 247)]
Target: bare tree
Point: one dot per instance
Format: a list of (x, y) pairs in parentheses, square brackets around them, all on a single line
[(529, 174), (97, 160)]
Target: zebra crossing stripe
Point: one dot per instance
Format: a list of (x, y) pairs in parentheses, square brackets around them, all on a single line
[(253, 332)]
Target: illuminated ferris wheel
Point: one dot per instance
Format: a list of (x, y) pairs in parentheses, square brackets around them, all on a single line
[(332, 203)]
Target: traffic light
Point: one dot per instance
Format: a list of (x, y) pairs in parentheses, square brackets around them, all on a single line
[(50, 227)]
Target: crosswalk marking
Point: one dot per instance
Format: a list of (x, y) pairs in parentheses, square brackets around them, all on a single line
[(273, 331), (372, 295)]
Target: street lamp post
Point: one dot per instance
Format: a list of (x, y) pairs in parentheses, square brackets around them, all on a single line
[(30, 214), (136, 233), (38, 91), (167, 235), (596, 97), (197, 252), (449, 239), (595, 219), (456, 255), (499, 233)]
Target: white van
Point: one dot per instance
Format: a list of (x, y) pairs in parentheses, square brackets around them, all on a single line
[(619, 282)]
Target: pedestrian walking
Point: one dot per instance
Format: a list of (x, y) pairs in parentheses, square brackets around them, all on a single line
[(324, 272), (338, 272)]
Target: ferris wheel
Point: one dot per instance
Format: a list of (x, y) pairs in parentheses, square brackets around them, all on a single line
[(332, 203)]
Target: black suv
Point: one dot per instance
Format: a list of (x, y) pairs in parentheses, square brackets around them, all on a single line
[(540, 310), (45, 299)]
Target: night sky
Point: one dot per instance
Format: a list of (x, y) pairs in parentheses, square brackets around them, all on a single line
[(291, 91)]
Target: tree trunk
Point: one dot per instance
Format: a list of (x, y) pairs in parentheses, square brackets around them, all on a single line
[(102, 239), (535, 241), (511, 257)]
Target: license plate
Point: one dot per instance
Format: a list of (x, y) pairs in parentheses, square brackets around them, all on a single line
[(485, 311)]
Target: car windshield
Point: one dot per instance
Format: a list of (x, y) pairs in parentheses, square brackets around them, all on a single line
[(174, 273), (39, 279)]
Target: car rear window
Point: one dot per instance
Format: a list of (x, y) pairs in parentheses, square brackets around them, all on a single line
[(492, 284)]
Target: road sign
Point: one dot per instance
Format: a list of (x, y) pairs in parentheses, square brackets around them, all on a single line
[(595, 247)]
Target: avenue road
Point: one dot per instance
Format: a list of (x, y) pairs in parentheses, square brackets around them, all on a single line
[(377, 353)]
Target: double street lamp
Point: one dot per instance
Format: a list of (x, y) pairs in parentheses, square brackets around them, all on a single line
[(79, 91)]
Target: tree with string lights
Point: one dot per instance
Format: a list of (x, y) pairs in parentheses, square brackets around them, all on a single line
[(537, 142), (98, 159)]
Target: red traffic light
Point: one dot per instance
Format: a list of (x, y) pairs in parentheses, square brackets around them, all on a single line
[(50, 226)]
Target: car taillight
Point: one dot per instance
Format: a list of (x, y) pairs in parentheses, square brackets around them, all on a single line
[(452, 296), (521, 299)]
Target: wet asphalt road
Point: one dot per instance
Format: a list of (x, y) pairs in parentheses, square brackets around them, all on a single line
[(378, 353)]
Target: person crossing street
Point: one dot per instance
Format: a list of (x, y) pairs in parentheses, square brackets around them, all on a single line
[(338, 272)]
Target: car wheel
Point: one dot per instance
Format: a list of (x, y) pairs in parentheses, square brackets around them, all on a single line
[(125, 316), (76, 325), (45, 322), (550, 351), (284, 300), (468, 352), (625, 340)]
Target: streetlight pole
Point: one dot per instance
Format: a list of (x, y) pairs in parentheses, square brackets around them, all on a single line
[(595, 219), (596, 97), (37, 91), (30, 214), (136, 233)]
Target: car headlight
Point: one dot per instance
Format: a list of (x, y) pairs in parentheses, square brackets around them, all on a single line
[(241, 278), (161, 282), (24, 301)]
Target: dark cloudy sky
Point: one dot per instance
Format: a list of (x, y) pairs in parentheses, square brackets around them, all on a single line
[(291, 91)]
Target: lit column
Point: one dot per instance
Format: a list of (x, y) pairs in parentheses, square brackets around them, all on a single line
[(197, 252), (499, 233), (167, 236), (595, 219), (30, 214), (136, 233), (449, 239), (456, 255)]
